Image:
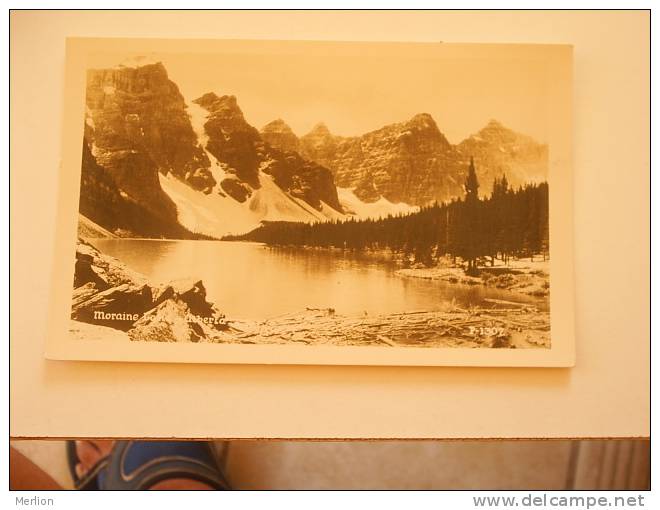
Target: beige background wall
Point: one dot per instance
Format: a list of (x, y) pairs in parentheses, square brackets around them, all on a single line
[(606, 394)]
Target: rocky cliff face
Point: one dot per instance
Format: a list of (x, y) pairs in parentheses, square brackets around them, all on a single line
[(136, 127), (243, 153), (413, 162), (230, 138), (408, 162), (140, 111), (124, 214), (302, 178)]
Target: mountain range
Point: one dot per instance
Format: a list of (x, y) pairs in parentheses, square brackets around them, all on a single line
[(156, 165)]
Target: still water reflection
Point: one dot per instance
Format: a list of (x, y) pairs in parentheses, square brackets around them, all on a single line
[(253, 281)]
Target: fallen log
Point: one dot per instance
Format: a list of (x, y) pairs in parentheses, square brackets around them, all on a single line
[(504, 302), (386, 340)]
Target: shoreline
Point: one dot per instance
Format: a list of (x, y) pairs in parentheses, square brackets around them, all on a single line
[(529, 278), (522, 276), (530, 283)]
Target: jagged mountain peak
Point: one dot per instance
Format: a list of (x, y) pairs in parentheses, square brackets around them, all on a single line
[(150, 79), (152, 67), (421, 125), (140, 61), (423, 120), (277, 126), (320, 129), (208, 98), (496, 132), (495, 128), (278, 134), (424, 125), (219, 104), (494, 124)]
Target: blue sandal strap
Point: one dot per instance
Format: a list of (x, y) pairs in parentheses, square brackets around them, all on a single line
[(138, 465)]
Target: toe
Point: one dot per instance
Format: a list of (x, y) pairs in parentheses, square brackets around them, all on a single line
[(88, 455)]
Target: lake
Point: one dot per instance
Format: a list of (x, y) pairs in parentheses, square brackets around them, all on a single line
[(254, 281)]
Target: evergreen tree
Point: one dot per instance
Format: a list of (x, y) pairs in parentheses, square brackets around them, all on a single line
[(472, 227), (471, 183)]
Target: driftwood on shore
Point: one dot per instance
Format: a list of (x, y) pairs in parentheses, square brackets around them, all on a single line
[(495, 327)]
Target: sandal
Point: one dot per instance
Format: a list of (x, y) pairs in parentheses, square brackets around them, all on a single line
[(139, 465)]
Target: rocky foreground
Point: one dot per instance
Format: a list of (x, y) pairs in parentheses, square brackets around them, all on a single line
[(490, 328), (111, 302)]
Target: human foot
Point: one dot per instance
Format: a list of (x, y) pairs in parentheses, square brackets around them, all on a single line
[(89, 453)]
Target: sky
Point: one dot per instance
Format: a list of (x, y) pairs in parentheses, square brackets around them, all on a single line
[(354, 92)]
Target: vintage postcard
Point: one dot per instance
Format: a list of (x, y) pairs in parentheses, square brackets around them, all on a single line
[(320, 203)]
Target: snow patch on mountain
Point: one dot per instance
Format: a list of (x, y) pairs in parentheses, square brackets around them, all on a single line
[(210, 214), (89, 120), (91, 230), (332, 214), (217, 215), (374, 210), (271, 203), (198, 117)]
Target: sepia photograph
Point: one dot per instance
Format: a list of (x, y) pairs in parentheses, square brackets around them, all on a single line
[(326, 249), (319, 195)]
